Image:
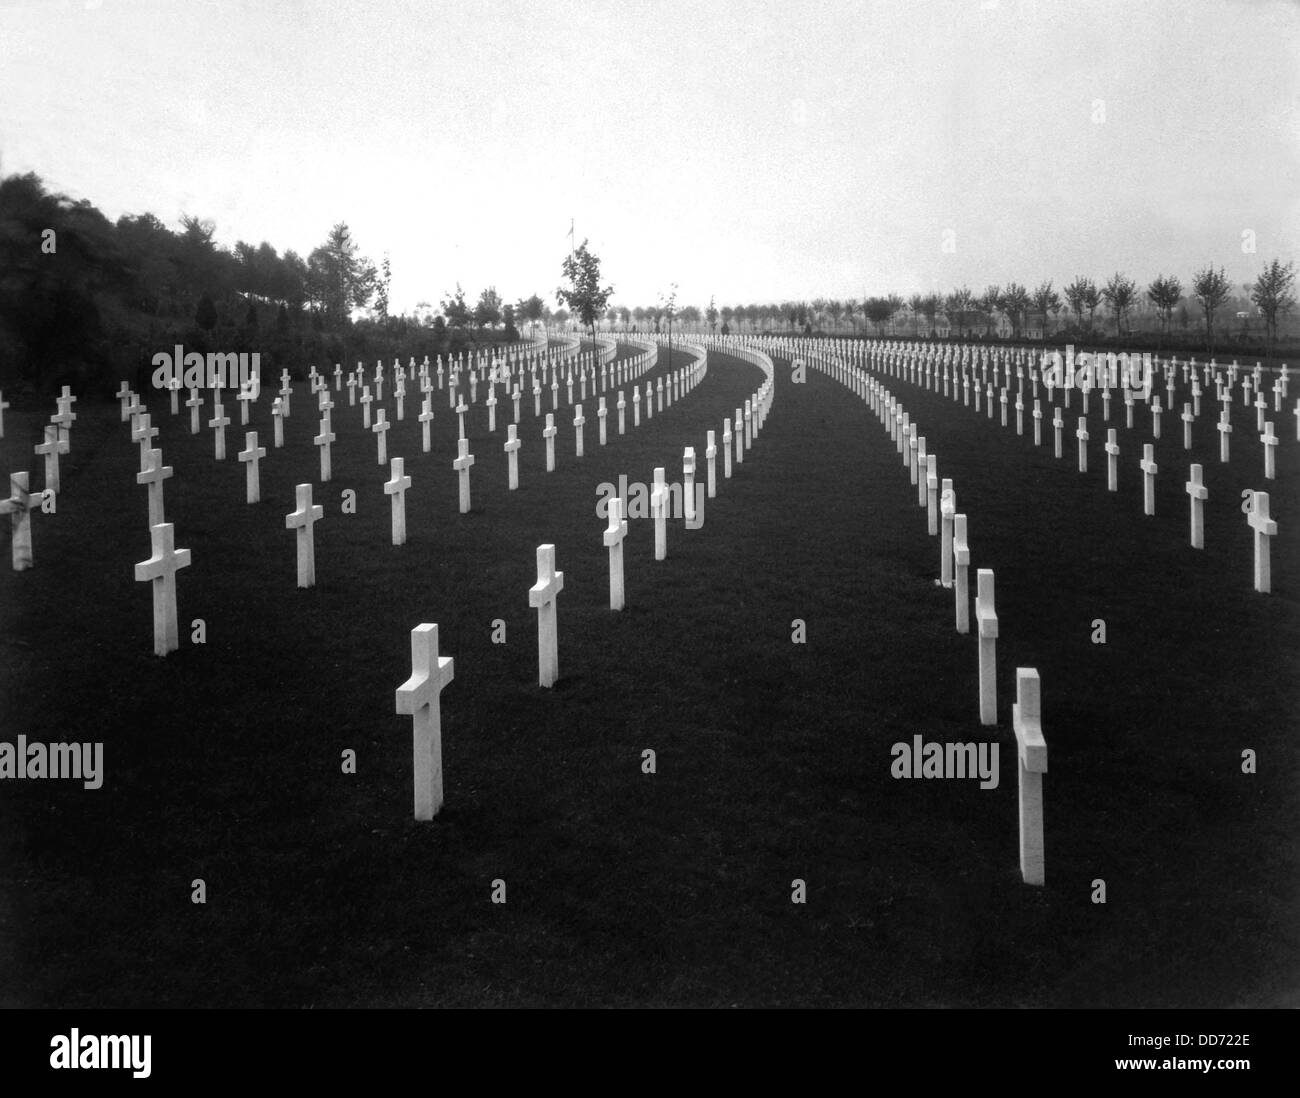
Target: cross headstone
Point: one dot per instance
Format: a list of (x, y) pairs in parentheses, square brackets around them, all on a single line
[(601, 413), (1225, 429), (613, 538), (153, 477), (396, 488), (250, 456), (579, 420), (1031, 756), (219, 423), (380, 430), (19, 507), (303, 520), (659, 511), (947, 509), (961, 572), (512, 454), (464, 460), (366, 401), (144, 433), (1265, 528), (548, 433), (1149, 470), (1081, 433), (160, 570), (194, 403), (419, 697), (1269, 439), (1196, 489), (726, 448), (710, 455), (324, 441), (688, 488), (1057, 424), (49, 449), (986, 619), (542, 596), (1112, 460)]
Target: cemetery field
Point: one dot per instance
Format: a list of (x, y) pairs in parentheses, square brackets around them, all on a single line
[(223, 761)]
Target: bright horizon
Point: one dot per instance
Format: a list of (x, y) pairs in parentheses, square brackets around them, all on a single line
[(825, 151)]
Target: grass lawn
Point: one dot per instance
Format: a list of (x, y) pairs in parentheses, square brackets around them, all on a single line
[(223, 761)]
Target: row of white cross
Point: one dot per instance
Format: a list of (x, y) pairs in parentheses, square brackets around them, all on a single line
[(954, 565), (1257, 508), (420, 696)]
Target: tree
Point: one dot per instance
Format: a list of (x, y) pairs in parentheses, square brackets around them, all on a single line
[(584, 294), (1272, 295), (989, 302), (711, 315), (669, 308), (1046, 300), (381, 290), (878, 310), (1015, 301), (339, 279), (1210, 289), (487, 313), (456, 310), (205, 314), (1165, 293), (958, 303), (1119, 293)]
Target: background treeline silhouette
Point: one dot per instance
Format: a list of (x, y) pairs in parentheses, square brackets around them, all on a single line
[(87, 302)]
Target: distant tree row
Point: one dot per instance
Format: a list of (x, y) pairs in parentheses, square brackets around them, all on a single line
[(965, 313)]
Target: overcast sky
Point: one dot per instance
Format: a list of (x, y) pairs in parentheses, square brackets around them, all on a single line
[(812, 149)]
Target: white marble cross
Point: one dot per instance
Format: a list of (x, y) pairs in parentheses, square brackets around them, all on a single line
[(613, 538), (153, 477), (579, 420), (396, 488), (250, 456), (738, 433), (542, 596), (303, 520), (1155, 417), (1057, 424), (1196, 489), (464, 460), (366, 401), (324, 440), (636, 406), (1188, 419), (986, 620), (1264, 527), (1031, 755), (693, 521), (194, 403), (144, 433), (1112, 460), (947, 509), (931, 494), (710, 455), (49, 449), (1038, 423), (1081, 433), (1269, 439), (659, 498), (1149, 470), (548, 433), (961, 572), (219, 422), (512, 454), (160, 570), (1225, 429), (247, 394), (420, 698), (622, 405), (601, 413), (19, 507)]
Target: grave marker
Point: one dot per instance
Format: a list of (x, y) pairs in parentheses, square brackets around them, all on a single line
[(542, 595), (462, 464), (1149, 470), (986, 619), (1265, 528), (303, 520), (613, 538), (160, 570), (396, 488), (1031, 756), (250, 456), (1196, 489)]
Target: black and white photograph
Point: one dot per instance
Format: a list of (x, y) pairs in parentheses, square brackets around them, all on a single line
[(662, 507)]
